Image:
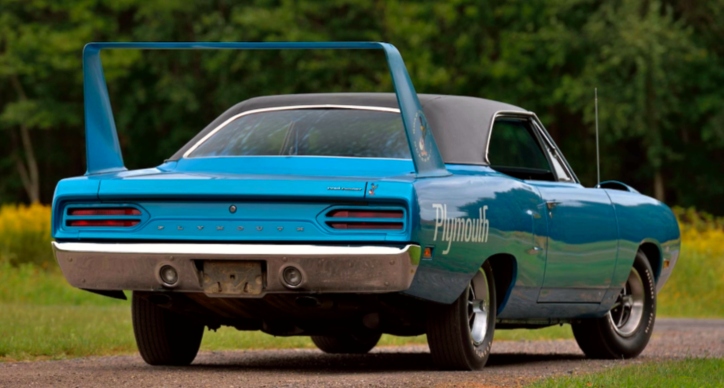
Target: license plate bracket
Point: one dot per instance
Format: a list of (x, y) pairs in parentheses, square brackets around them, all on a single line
[(232, 278)]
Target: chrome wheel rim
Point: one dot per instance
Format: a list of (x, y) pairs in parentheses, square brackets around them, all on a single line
[(478, 308), (628, 311)]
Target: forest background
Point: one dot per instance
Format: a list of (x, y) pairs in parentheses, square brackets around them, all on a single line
[(658, 67)]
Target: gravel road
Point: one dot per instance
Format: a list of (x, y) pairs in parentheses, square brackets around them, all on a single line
[(512, 363)]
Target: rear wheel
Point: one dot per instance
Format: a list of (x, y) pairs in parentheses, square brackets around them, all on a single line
[(164, 337), (625, 331), (352, 343), (460, 334)]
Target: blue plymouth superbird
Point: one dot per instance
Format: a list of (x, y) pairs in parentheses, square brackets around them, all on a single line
[(346, 216)]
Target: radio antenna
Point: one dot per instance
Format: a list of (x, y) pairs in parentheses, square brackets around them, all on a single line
[(598, 157)]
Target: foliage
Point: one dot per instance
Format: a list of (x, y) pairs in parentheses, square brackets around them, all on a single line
[(694, 373), (697, 225), (25, 235), (696, 284), (699, 272), (657, 64)]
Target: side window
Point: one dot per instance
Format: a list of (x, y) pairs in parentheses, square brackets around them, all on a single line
[(514, 150)]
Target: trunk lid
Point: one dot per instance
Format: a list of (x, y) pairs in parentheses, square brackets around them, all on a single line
[(167, 204), (207, 186)]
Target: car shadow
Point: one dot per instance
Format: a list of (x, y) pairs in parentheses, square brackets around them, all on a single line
[(368, 363)]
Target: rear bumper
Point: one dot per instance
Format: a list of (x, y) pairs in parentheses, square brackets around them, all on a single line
[(237, 270)]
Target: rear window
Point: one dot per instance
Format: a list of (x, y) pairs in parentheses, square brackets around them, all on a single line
[(320, 132)]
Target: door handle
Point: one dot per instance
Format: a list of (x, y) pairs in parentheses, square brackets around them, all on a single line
[(552, 204), (535, 250)]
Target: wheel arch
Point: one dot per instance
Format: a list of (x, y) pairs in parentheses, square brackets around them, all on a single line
[(653, 255), (505, 271)]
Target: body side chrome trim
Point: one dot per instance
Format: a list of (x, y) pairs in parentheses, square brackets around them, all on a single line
[(282, 108)]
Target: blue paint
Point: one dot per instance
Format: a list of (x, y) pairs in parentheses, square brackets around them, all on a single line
[(295, 165), (582, 239), (586, 269), (253, 221), (268, 191)]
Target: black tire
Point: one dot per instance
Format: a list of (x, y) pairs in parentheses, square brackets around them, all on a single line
[(164, 337), (450, 327), (353, 343), (624, 331)]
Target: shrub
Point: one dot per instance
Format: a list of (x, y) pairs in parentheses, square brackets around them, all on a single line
[(702, 233), (25, 235), (697, 282)]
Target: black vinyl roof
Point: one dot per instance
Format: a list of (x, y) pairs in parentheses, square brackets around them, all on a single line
[(459, 124)]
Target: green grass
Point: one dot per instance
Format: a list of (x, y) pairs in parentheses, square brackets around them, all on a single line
[(32, 332), (693, 373), (28, 284)]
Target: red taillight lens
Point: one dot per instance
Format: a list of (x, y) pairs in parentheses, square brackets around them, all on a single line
[(366, 214), (366, 225), (362, 219), (102, 223), (98, 217), (105, 212)]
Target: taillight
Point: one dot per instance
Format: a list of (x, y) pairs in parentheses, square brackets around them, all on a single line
[(104, 212), (116, 217), (358, 219), (116, 223), (364, 225), (366, 214)]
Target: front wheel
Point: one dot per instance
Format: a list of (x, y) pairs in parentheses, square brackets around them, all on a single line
[(460, 334), (625, 331), (164, 337)]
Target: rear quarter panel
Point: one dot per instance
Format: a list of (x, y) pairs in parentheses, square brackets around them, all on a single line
[(496, 213)]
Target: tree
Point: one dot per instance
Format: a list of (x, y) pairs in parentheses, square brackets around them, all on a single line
[(40, 46), (638, 56), (658, 65)]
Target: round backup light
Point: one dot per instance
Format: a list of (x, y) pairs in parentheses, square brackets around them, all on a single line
[(292, 277), (168, 275)]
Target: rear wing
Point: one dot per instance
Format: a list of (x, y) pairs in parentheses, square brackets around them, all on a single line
[(103, 151)]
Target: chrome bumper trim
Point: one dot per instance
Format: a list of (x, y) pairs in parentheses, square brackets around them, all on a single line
[(227, 249), (329, 269)]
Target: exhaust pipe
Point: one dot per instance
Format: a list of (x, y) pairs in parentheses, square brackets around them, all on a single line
[(308, 302)]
